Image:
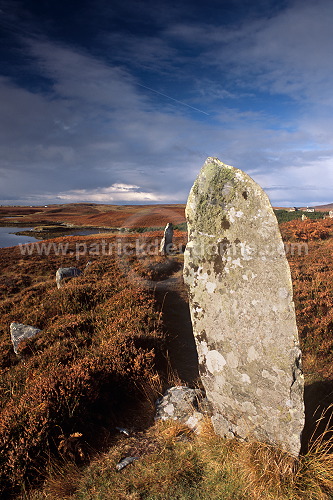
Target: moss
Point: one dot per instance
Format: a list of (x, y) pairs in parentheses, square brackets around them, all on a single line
[(214, 173)]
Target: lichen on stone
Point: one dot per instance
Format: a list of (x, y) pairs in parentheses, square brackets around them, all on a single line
[(242, 308)]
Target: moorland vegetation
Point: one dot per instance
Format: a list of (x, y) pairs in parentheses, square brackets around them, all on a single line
[(101, 361)]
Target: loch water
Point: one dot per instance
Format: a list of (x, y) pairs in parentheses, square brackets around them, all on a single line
[(8, 238)]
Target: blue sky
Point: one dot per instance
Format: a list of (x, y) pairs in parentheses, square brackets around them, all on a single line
[(122, 101)]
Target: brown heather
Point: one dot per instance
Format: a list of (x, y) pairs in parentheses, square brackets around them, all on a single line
[(88, 369), (100, 362), (312, 275)]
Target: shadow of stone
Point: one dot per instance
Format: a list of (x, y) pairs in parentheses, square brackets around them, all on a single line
[(180, 341), (162, 270), (318, 400)]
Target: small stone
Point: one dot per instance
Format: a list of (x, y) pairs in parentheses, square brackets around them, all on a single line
[(66, 272), (181, 403), (125, 462), (19, 332)]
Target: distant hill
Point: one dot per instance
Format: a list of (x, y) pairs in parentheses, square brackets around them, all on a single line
[(97, 215), (324, 208)]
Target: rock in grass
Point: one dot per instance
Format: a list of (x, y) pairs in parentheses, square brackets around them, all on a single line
[(183, 404), (124, 431), (66, 272), (19, 332), (125, 462), (242, 309)]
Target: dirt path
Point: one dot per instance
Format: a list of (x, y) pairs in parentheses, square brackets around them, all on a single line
[(172, 299)]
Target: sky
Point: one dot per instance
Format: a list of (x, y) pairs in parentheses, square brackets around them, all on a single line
[(122, 101)]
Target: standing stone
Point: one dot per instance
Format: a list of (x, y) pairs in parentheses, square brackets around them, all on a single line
[(166, 242), (19, 332), (330, 214), (242, 309)]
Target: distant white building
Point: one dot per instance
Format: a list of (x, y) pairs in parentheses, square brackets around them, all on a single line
[(308, 209)]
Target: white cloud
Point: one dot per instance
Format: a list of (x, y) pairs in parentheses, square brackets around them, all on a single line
[(297, 184), (114, 193)]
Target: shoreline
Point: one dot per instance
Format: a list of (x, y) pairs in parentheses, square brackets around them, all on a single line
[(55, 230), (58, 231)]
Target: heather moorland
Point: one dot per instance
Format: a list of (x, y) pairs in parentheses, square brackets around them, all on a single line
[(106, 352)]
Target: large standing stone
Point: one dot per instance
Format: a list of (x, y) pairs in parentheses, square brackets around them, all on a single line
[(242, 309)]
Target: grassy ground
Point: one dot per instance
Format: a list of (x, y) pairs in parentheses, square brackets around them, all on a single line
[(174, 464), (286, 216)]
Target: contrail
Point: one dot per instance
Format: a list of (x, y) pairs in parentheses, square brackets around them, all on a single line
[(11, 27), (176, 100)]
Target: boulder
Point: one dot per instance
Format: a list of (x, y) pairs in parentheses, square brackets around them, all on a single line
[(19, 332), (182, 404), (69, 272), (66, 272)]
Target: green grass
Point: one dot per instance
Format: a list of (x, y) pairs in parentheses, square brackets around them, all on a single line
[(180, 227), (175, 464), (286, 216)]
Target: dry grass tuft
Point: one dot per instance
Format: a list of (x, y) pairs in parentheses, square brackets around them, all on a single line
[(173, 463), (171, 430), (72, 447), (207, 432), (62, 481), (267, 471), (315, 474), (271, 473)]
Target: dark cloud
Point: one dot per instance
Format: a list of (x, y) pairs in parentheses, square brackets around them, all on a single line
[(124, 101)]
